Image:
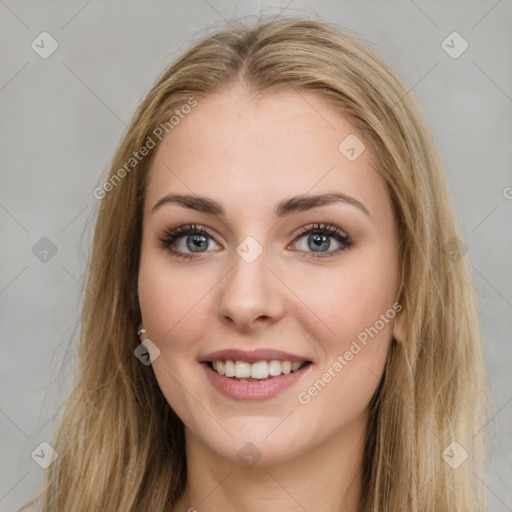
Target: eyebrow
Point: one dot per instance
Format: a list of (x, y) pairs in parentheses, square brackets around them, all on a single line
[(282, 209)]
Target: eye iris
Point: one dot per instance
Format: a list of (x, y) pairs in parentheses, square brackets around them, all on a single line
[(318, 240), (197, 240)]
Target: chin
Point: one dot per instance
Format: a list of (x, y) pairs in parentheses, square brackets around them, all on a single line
[(265, 442)]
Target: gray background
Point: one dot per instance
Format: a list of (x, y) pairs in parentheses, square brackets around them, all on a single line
[(62, 118)]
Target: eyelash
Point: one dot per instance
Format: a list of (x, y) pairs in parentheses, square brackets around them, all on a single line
[(171, 235)]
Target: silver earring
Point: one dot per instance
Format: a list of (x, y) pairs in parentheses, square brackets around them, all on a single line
[(142, 331)]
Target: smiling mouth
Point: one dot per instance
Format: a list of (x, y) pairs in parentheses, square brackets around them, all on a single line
[(244, 371)]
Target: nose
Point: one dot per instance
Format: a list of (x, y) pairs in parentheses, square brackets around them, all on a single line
[(250, 296)]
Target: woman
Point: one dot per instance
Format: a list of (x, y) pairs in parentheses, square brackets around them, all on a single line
[(279, 313)]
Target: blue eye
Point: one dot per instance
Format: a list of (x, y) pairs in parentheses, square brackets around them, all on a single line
[(318, 237), (197, 240)]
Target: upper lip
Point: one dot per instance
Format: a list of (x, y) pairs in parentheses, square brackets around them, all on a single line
[(251, 356)]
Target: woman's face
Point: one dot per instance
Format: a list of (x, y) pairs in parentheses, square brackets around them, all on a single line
[(259, 282)]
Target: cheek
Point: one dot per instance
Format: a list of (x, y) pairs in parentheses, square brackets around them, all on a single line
[(361, 314), (343, 302), (352, 323), (176, 307), (169, 297), (171, 310), (353, 361)]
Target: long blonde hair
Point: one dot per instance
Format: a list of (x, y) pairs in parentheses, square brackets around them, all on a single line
[(121, 446)]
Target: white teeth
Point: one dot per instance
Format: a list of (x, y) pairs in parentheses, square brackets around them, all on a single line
[(229, 368), (295, 366), (242, 369), (286, 367), (259, 370), (274, 368)]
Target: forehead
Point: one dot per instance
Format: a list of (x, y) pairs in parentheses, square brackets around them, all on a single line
[(253, 152)]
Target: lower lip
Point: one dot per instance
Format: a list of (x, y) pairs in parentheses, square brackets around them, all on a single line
[(254, 390)]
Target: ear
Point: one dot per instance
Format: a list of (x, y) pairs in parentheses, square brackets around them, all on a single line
[(400, 326)]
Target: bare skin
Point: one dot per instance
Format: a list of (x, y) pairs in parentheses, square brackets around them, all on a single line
[(249, 155)]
